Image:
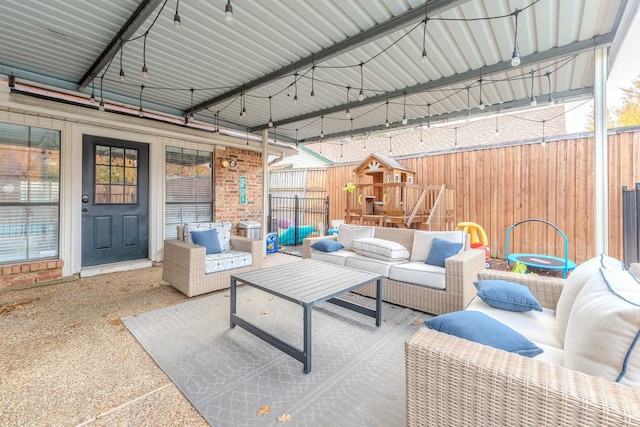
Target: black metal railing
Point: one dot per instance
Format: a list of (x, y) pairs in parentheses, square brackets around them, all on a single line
[(631, 224), (294, 218)]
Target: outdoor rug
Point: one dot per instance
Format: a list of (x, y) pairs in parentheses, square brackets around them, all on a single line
[(233, 378)]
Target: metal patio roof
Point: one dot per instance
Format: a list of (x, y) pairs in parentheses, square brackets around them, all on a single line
[(278, 52)]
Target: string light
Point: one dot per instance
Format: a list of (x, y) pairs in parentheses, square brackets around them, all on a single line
[(468, 88), (481, 104), (145, 71), (313, 71), (347, 113), (515, 57), (322, 126), (190, 116), (248, 136), (228, 13), (243, 102), (101, 105), (534, 102), (351, 128), (361, 94), (92, 99), (551, 100), (544, 141), (420, 132), (122, 76), (141, 111), (425, 58), (295, 85), (390, 151), (428, 116), (270, 124), (455, 141), (404, 110), (177, 25), (386, 120), (497, 130)]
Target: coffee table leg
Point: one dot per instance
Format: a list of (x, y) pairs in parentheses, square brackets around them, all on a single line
[(307, 338), (232, 303), (378, 302)]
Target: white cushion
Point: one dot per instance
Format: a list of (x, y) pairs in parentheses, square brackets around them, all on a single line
[(336, 257), (227, 261), (419, 273), (380, 249), (422, 242), (372, 265), (573, 285), (604, 327), (347, 233), (550, 354), (224, 232), (537, 326)]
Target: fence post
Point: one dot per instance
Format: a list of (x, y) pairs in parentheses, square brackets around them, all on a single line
[(326, 214), (296, 219)]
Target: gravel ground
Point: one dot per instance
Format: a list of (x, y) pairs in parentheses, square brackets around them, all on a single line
[(66, 358)]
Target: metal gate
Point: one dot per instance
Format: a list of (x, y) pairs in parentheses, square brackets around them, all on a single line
[(631, 224), (294, 218)]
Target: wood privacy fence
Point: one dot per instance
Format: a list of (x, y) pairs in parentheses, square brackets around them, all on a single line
[(497, 187)]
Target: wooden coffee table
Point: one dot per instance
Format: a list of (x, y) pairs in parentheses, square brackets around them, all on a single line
[(307, 283)]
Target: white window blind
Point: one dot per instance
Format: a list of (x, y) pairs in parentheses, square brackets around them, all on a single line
[(188, 188), (29, 193)]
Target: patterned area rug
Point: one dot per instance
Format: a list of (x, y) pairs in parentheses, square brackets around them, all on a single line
[(235, 379)]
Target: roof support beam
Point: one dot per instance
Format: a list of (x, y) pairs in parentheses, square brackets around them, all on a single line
[(135, 21), (557, 52), (585, 92), (380, 30)]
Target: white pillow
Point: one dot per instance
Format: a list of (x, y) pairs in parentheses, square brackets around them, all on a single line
[(422, 242), (224, 232), (604, 327), (380, 249), (573, 285), (347, 233)]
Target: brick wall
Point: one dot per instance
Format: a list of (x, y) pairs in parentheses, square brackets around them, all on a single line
[(30, 273), (227, 205)]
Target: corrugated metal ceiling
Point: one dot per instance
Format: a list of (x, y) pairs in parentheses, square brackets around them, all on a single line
[(58, 43)]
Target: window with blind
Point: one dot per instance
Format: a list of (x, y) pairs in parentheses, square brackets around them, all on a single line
[(29, 193), (188, 188)]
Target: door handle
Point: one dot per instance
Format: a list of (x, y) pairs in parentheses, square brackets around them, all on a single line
[(85, 209)]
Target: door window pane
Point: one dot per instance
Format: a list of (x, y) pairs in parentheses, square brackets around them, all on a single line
[(29, 193), (116, 180)]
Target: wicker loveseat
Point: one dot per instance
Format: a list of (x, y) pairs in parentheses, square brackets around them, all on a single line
[(452, 381), (452, 292), (185, 263)]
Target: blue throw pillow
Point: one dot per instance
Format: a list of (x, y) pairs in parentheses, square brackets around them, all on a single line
[(478, 327), (441, 250), (208, 239), (327, 245), (507, 295)]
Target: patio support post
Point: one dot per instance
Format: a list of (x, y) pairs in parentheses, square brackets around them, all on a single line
[(265, 189), (601, 156)]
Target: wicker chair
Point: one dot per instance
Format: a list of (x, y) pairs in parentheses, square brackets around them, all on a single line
[(184, 265), (455, 382)]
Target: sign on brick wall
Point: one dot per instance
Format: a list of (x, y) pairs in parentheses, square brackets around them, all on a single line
[(243, 190)]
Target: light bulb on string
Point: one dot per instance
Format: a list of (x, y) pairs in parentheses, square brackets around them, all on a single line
[(390, 151), (228, 12), (428, 116), (544, 141), (404, 107), (177, 25), (322, 126), (386, 120), (145, 71), (123, 77), (347, 113), (270, 124), (515, 57), (190, 115), (92, 98), (313, 72), (481, 104), (101, 105), (361, 93), (425, 58), (497, 133), (295, 85), (140, 110), (534, 102), (551, 100)]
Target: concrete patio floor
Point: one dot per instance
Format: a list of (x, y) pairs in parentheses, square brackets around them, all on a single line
[(66, 358)]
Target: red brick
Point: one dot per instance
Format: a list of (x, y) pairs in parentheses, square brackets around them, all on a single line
[(16, 268), (17, 280), (59, 263), (25, 268), (48, 275), (6, 269)]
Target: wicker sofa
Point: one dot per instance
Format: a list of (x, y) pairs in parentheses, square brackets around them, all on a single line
[(184, 261), (459, 273), (455, 382)]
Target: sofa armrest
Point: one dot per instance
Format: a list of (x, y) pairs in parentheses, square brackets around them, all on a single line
[(461, 271), (546, 289), (182, 261), (308, 241), (452, 381), (257, 248)]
